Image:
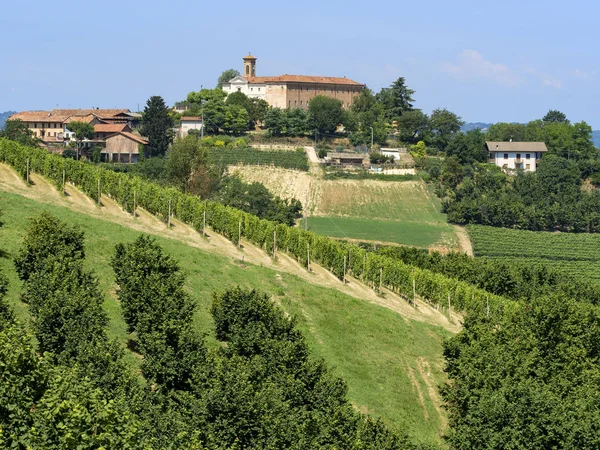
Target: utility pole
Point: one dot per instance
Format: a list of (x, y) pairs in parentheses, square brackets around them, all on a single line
[(134, 205), (371, 138), (202, 126), (316, 140)]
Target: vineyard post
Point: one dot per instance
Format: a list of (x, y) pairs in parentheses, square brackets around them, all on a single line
[(349, 262), (169, 215), (63, 183), (380, 278), (204, 223), (134, 204), (98, 191), (449, 311), (308, 256), (274, 241), (414, 293), (27, 171), (344, 280), (364, 266), (240, 234)]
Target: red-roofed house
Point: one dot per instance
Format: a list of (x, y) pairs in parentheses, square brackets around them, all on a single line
[(291, 91)]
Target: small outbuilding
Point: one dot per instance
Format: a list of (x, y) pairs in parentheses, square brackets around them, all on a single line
[(123, 147), (347, 159)]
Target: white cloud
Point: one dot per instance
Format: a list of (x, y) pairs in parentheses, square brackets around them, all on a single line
[(471, 64), (545, 78), (582, 74)]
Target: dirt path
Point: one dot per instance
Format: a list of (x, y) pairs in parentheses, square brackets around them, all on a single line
[(464, 241), (44, 192)]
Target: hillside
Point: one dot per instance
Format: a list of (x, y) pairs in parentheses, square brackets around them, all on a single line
[(403, 213), (389, 354), (3, 116)]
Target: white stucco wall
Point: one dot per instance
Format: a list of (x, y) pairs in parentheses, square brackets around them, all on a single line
[(251, 90), (511, 161), (186, 126)]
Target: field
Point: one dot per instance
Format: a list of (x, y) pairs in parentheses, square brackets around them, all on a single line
[(383, 211), (576, 254), (391, 362), (248, 156)]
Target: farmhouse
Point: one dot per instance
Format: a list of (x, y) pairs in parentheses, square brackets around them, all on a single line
[(516, 155), (291, 91), (113, 130)]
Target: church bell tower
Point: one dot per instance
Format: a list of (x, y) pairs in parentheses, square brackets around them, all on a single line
[(249, 66)]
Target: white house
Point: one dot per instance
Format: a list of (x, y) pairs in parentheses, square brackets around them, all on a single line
[(189, 123), (241, 84), (516, 155)]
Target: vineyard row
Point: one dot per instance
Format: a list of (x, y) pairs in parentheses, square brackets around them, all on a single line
[(306, 247)]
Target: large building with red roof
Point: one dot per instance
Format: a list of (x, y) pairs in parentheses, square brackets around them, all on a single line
[(291, 91)]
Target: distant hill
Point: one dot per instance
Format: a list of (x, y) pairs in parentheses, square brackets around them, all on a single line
[(475, 126), (596, 138), (5, 115)]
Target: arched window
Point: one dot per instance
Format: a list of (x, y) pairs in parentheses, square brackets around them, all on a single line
[(247, 70)]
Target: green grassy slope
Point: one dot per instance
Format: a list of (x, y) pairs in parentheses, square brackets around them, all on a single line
[(577, 254), (399, 212), (392, 365)]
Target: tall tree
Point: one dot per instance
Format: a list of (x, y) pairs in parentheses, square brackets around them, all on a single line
[(324, 113), (226, 76), (444, 124), (18, 131), (157, 126), (554, 115), (396, 99), (412, 126)]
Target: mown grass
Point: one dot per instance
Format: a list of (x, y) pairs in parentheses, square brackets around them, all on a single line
[(577, 254), (399, 212), (405, 233), (374, 349)]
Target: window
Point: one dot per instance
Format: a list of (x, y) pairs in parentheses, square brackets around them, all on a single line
[(518, 156), (527, 156), (506, 156), (528, 166), (239, 89), (289, 103), (258, 89), (295, 103), (247, 70), (251, 89)]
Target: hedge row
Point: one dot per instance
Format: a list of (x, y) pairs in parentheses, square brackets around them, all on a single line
[(369, 267)]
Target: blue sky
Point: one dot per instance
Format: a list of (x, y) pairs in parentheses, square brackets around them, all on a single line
[(486, 61)]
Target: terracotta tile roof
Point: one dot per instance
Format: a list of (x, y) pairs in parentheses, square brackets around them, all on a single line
[(111, 127), (85, 112), (516, 147), (67, 115), (38, 116), (302, 79), (249, 56), (133, 137), (86, 119), (191, 118)]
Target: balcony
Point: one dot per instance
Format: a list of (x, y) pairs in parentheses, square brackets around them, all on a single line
[(518, 161)]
